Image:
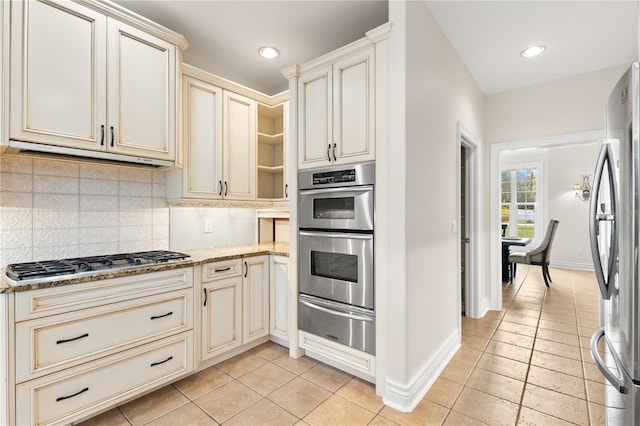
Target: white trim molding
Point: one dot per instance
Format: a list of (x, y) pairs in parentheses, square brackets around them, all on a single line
[(405, 398), (465, 138), (572, 265)]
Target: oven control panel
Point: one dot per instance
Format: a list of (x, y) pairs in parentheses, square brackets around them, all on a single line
[(357, 174), (338, 176)]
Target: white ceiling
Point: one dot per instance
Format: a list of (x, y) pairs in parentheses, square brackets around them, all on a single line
[(580, 36), (224, 36)]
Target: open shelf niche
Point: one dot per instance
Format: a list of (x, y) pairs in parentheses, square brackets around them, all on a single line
[(271, 173)]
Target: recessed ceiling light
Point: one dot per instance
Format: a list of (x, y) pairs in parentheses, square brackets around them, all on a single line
[(532, 51), (268, 52)]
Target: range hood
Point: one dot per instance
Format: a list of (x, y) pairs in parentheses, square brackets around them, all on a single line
[(19, 147)]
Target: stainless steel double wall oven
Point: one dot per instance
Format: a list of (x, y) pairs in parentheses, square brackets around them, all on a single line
[(336, 261)]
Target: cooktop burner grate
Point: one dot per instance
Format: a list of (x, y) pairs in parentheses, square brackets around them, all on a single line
[(53, 268)]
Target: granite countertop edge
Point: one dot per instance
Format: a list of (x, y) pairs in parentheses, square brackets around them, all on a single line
[(198, 257)]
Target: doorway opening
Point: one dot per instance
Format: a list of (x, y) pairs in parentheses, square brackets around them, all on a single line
[(525, 152)]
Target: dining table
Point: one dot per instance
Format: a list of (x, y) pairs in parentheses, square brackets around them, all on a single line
[(507, 242)]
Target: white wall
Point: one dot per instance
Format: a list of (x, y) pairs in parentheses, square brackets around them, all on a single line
[(569, 105), (562, 167), (430, 91), (52, 209), (571, 247), (230, 226)]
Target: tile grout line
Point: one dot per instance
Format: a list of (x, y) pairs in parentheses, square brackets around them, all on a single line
[(475, 365)]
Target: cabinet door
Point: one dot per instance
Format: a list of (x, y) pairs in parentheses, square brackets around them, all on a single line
[(202, 138), (279, 296), (314, 119), (239, 147), (141, 88), (353, 108), (256, 298), (58, 64), (221, 316)]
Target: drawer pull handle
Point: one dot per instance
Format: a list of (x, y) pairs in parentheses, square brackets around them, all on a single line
[(62, 398), (161, 316), (205, 297), (71, 340), (223, 269), (153, 364)]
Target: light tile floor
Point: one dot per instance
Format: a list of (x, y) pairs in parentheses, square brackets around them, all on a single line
[(528, 364)]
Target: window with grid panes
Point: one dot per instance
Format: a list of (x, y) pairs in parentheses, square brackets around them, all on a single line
[(519, 201)]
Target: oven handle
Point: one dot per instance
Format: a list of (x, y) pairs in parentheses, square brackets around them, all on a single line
[(336, 235), (362, 188), (336, 313)]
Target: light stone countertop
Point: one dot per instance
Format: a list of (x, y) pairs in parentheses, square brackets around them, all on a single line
[(198, 257)]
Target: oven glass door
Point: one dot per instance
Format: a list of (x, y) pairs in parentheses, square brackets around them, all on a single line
[(337, 266), (349, 208)]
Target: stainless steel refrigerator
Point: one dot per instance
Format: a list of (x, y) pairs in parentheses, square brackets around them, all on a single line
[(615, 234)]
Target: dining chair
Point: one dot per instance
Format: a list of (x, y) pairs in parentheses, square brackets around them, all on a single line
[(538, 255)]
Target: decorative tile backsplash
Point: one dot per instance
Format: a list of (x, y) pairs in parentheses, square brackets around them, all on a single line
[(52, 209)]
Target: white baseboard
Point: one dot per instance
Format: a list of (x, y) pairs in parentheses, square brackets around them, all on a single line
[(485, 306), (572, 265), (405, 398)]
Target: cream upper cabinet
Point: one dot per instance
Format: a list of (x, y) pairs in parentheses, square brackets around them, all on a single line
[(82, 79), (58, 74), (239, 146), (315, 120), (141, 93), (354, 108), (336, 107), (234, 142), (202, 139)]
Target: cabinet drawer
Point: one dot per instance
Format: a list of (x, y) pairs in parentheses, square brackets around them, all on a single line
[(57, 300), (223, 269), (46, 345), (77, 393)]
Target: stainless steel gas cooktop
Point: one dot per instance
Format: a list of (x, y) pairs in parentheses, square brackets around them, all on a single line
[(49, 270)]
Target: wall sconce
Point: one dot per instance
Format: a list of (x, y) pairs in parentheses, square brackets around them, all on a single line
[(583, 190)]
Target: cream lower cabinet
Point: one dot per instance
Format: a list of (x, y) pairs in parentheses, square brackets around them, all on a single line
[(255, 322), (221, 316), (279, 298), (336, 116), (235, 304), (85, 348), (83, 79)]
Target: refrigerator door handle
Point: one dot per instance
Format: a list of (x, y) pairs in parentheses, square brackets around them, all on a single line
[(608, 374), (604, 283)]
